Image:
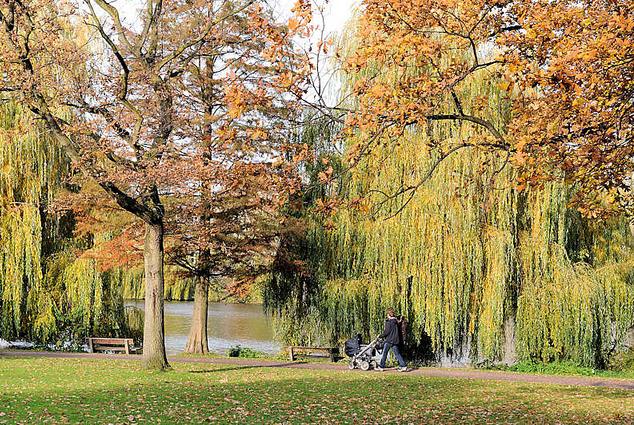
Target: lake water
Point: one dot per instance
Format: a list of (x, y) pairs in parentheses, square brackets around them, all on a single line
[(228, 325)]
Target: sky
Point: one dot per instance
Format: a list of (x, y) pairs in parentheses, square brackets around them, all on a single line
[(336, 15), (337, 12)]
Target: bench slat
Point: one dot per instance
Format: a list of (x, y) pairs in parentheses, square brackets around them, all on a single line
[(110, 340), (108, 348), (312, 348)]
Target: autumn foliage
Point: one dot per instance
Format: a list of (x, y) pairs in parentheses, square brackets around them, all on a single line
[(566, 67), (168, 100)]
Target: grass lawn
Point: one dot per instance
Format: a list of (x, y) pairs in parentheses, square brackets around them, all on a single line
[(565, 368), (40, 390)]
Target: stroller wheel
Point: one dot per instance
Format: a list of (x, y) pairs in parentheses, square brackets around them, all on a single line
[(365, 365), (373, 364), (352, 365)]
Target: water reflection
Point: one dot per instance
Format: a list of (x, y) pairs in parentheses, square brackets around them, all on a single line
[(229, 325)]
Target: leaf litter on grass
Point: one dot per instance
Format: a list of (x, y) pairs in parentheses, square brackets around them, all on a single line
[(107, 391)]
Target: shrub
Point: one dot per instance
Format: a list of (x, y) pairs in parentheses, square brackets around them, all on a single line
[(244, 352), (622, 361)]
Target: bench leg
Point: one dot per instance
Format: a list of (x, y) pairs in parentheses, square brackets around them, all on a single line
[(127, 347), (91, 349), (291, 354)]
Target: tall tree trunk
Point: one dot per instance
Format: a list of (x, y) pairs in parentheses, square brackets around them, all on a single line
[(154, 327), (632, 193), (197, 341)]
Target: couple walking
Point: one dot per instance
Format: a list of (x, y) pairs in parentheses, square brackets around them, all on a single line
[(392, 337)]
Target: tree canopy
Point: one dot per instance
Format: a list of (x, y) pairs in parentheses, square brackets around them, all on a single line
[(131, 105), (567, 67)]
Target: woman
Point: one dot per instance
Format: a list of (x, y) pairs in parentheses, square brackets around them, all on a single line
[(392, 339)]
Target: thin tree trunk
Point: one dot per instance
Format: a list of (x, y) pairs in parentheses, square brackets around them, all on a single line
[(632, 193), (197, 341), (153, 327)]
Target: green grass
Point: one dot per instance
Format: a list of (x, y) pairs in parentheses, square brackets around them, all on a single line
[(40, 390), (565, 368)]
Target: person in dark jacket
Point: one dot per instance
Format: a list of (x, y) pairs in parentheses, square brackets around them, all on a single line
[(392, 339)]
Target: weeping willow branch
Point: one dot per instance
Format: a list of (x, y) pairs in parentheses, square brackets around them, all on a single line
[(410, 190), (502, 144), (47, 293)]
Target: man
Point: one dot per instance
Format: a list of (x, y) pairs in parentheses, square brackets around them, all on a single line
[(391, 338)]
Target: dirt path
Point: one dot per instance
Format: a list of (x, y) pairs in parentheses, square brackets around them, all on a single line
[(585, 381)]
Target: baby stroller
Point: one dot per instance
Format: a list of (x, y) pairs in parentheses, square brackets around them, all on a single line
[(363, 356)]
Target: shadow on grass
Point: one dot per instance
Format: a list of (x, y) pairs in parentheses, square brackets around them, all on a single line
[(244, 367)]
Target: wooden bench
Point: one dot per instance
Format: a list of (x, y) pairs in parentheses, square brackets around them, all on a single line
[(125, 345), (331, 352)]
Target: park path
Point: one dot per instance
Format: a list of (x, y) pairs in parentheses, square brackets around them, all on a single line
[(435, 372)]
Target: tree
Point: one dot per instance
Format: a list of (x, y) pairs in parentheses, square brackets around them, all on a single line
[(481, 269), (567, 68), (119, 104), (228, 225), (231, 240)]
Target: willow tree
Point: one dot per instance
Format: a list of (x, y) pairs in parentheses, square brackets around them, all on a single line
[(129, 94), (430, 220), (30, 170), (48, 294), (483, 272)]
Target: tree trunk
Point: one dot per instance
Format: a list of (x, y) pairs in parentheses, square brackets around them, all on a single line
[(632, 193), (197, 341), (154, 327)]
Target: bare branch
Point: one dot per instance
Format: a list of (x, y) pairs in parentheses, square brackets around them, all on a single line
[(152, 12), (412, 189), (116, 20), (125, 75), (503, 144), (204, 33)]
